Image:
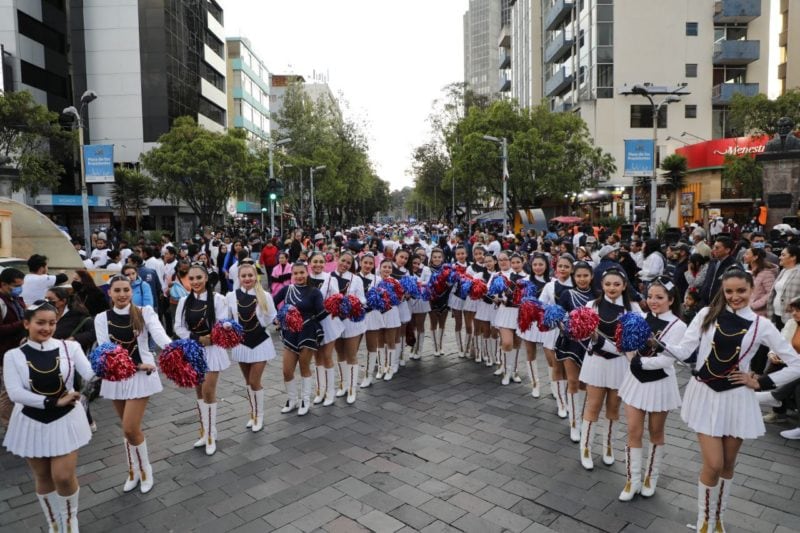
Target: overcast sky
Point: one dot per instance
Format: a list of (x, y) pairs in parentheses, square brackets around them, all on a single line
[(389, 59)]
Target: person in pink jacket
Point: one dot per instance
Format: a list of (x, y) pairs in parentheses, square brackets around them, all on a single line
[(281, 274), (764, 274)]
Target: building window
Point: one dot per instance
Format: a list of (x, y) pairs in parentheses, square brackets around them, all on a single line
[(212, 76), (40, 78), (41, 33), (642, 116), (690, 111), (605, 81), (211, 110), (691, 29), (691, 70)]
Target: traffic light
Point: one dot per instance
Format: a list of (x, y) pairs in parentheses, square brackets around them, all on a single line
[(273, 196), (274, 189)]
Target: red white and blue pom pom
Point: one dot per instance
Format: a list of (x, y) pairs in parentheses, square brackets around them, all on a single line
[(227, 334), (439, 282), (290, 318), (552, 317), (530, 311), (632, 332), (478, 289), (498, 285), (374, 299), (184, 363), (424, 293), (356, 313), (583, 321), (112, 362), (410, 286), (332, 304), (389, 289)]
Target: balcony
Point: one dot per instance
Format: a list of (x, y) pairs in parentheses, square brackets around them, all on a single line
[(558, 82), (736, 11), (505, 59), (559, 10), (562, 107), (504, 41), (558, 46), (723, 93), (505, 82), (736, 52), (783, 38)]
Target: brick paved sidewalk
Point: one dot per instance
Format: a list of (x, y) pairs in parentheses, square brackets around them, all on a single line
[(442, 447)]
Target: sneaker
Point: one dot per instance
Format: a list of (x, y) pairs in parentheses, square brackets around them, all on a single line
[(791, 434), (775, 418), (766, 398), (93, 427)]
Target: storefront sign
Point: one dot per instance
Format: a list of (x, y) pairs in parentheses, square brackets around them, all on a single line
[(638, 157), (711, 154), (99, 163)]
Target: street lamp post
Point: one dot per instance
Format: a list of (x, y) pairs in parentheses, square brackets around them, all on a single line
[(311, 200), (503, 142), (272, 177), (671, 95), (86, 99)]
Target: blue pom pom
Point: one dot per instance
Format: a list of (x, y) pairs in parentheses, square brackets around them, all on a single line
[(554, 315), (425, 293), (345, 307), (235, 326), (193, 353), (453, 278), (281, 317), (96, 357), (531, 291), (497, 286), (635, 332), (374, 300), (464, 287), (388, 287), (410, 286)]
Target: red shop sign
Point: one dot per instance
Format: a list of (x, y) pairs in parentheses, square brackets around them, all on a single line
[(712, 153)]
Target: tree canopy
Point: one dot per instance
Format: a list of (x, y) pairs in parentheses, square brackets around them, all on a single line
[(758, 114), (203, 168), (745, 174), (32, 142)]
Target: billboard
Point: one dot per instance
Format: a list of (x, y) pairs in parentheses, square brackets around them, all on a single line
[(98, 160), (711, 154), (638, 157)]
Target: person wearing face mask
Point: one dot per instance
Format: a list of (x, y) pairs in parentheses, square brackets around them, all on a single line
[(759, 240), (12, 330), (87, 293)]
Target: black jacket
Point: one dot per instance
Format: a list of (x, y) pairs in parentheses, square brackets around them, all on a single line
[(68, 324), (713, 281)]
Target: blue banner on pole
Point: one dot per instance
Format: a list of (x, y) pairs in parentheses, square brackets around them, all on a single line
[(638, 157), (98, 160)]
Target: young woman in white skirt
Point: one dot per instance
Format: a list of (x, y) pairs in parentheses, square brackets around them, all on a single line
[(132, 327), (474, 270), (419, 308), (438, 304), (390, 331), (570, 352), (299, 346), (505, 320), (456, 303), (195, 315), (399, 271), (373, 320), (540, 277), (347, 344), (550, 295), (487, 334), (719, 403), (604, 367), (331, 326), (650, 390), (48, 425), (253, 308)]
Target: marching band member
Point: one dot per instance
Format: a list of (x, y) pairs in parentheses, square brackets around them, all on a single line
[(474, 270), (419, 307), (347, 344), (373, 320), (333, 328)]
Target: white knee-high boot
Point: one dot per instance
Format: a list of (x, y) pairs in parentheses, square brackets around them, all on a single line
[(501, 371), (68, 509), (396, 357), (441, 341), (574, 416), (250, 404), (341, 390), (725, 486), (133, 468), (420, 345), (319, 392), (291, 393), (460, 342), (707, 498), (305, 395), (201, 409), (211, 434), (330, 387), (608, 442), (515, 373), (655, 457), (258, 410), (391, 358), (533, 372), (509, 367), (587, 435), (352, 371), (633, 473), (49, 503), (561, 405), (372, 359), (145, 469)]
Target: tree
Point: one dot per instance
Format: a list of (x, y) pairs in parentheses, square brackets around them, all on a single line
[(203, 168), (130, 194), (430, 166), (32, 142), (675, 166), (745, 174), (758, 114)]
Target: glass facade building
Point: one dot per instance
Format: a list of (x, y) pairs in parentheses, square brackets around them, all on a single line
[(248, 90)]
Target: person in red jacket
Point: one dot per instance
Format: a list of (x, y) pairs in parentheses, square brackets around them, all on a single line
[(269, 258), (12, 331)]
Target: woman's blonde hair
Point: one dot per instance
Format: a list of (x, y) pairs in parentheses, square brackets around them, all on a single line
[(261, 296)]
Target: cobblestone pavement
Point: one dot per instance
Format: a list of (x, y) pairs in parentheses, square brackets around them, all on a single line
[(442, 447)]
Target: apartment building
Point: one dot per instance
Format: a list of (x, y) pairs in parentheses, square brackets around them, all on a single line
[(482, 22), (248, 90)]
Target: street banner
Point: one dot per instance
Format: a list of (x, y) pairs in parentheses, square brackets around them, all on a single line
[(638, 157), (98, 160)]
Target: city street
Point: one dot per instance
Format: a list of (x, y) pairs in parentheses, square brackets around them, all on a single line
[(442, 447)]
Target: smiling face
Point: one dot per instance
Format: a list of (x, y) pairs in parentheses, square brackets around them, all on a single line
[(563, 269), (583, 278), (317, 264), (461, 255), (478, 255), (299, 274), (613, 286), (437, 258), (120, 293), (658, 299), (539, 266), (344, 264), (367, 264), (197, 279), (247, 277), (41, 325), (504, 262), (737, 292), (401, 258), (386, 269)]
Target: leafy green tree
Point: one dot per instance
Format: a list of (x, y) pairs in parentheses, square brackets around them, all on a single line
[(32, 142), (430, 166), (758, 114), (675, 166), (130, 194), (203, 168), (745, 174)]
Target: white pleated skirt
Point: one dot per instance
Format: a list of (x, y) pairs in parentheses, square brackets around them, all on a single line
[(732, 413), (391, 318), (652, 397), (532, 334), (598, 371), (263, 352), (404, 311), (485, 312), (353, 329), (505, 317), (455, 303), (26, 437), (373, 321), (139, 386), (217, 358), (470, 305), (419, 306), (549, 338), (332, 328)]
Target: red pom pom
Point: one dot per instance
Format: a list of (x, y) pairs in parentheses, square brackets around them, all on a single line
[(118, 365), (332, 304), (583, 321), (398, 289), (294, 320), (177, 368), (479, 289), (356, 309), (227, 338), (527, 315), (460, 269)]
